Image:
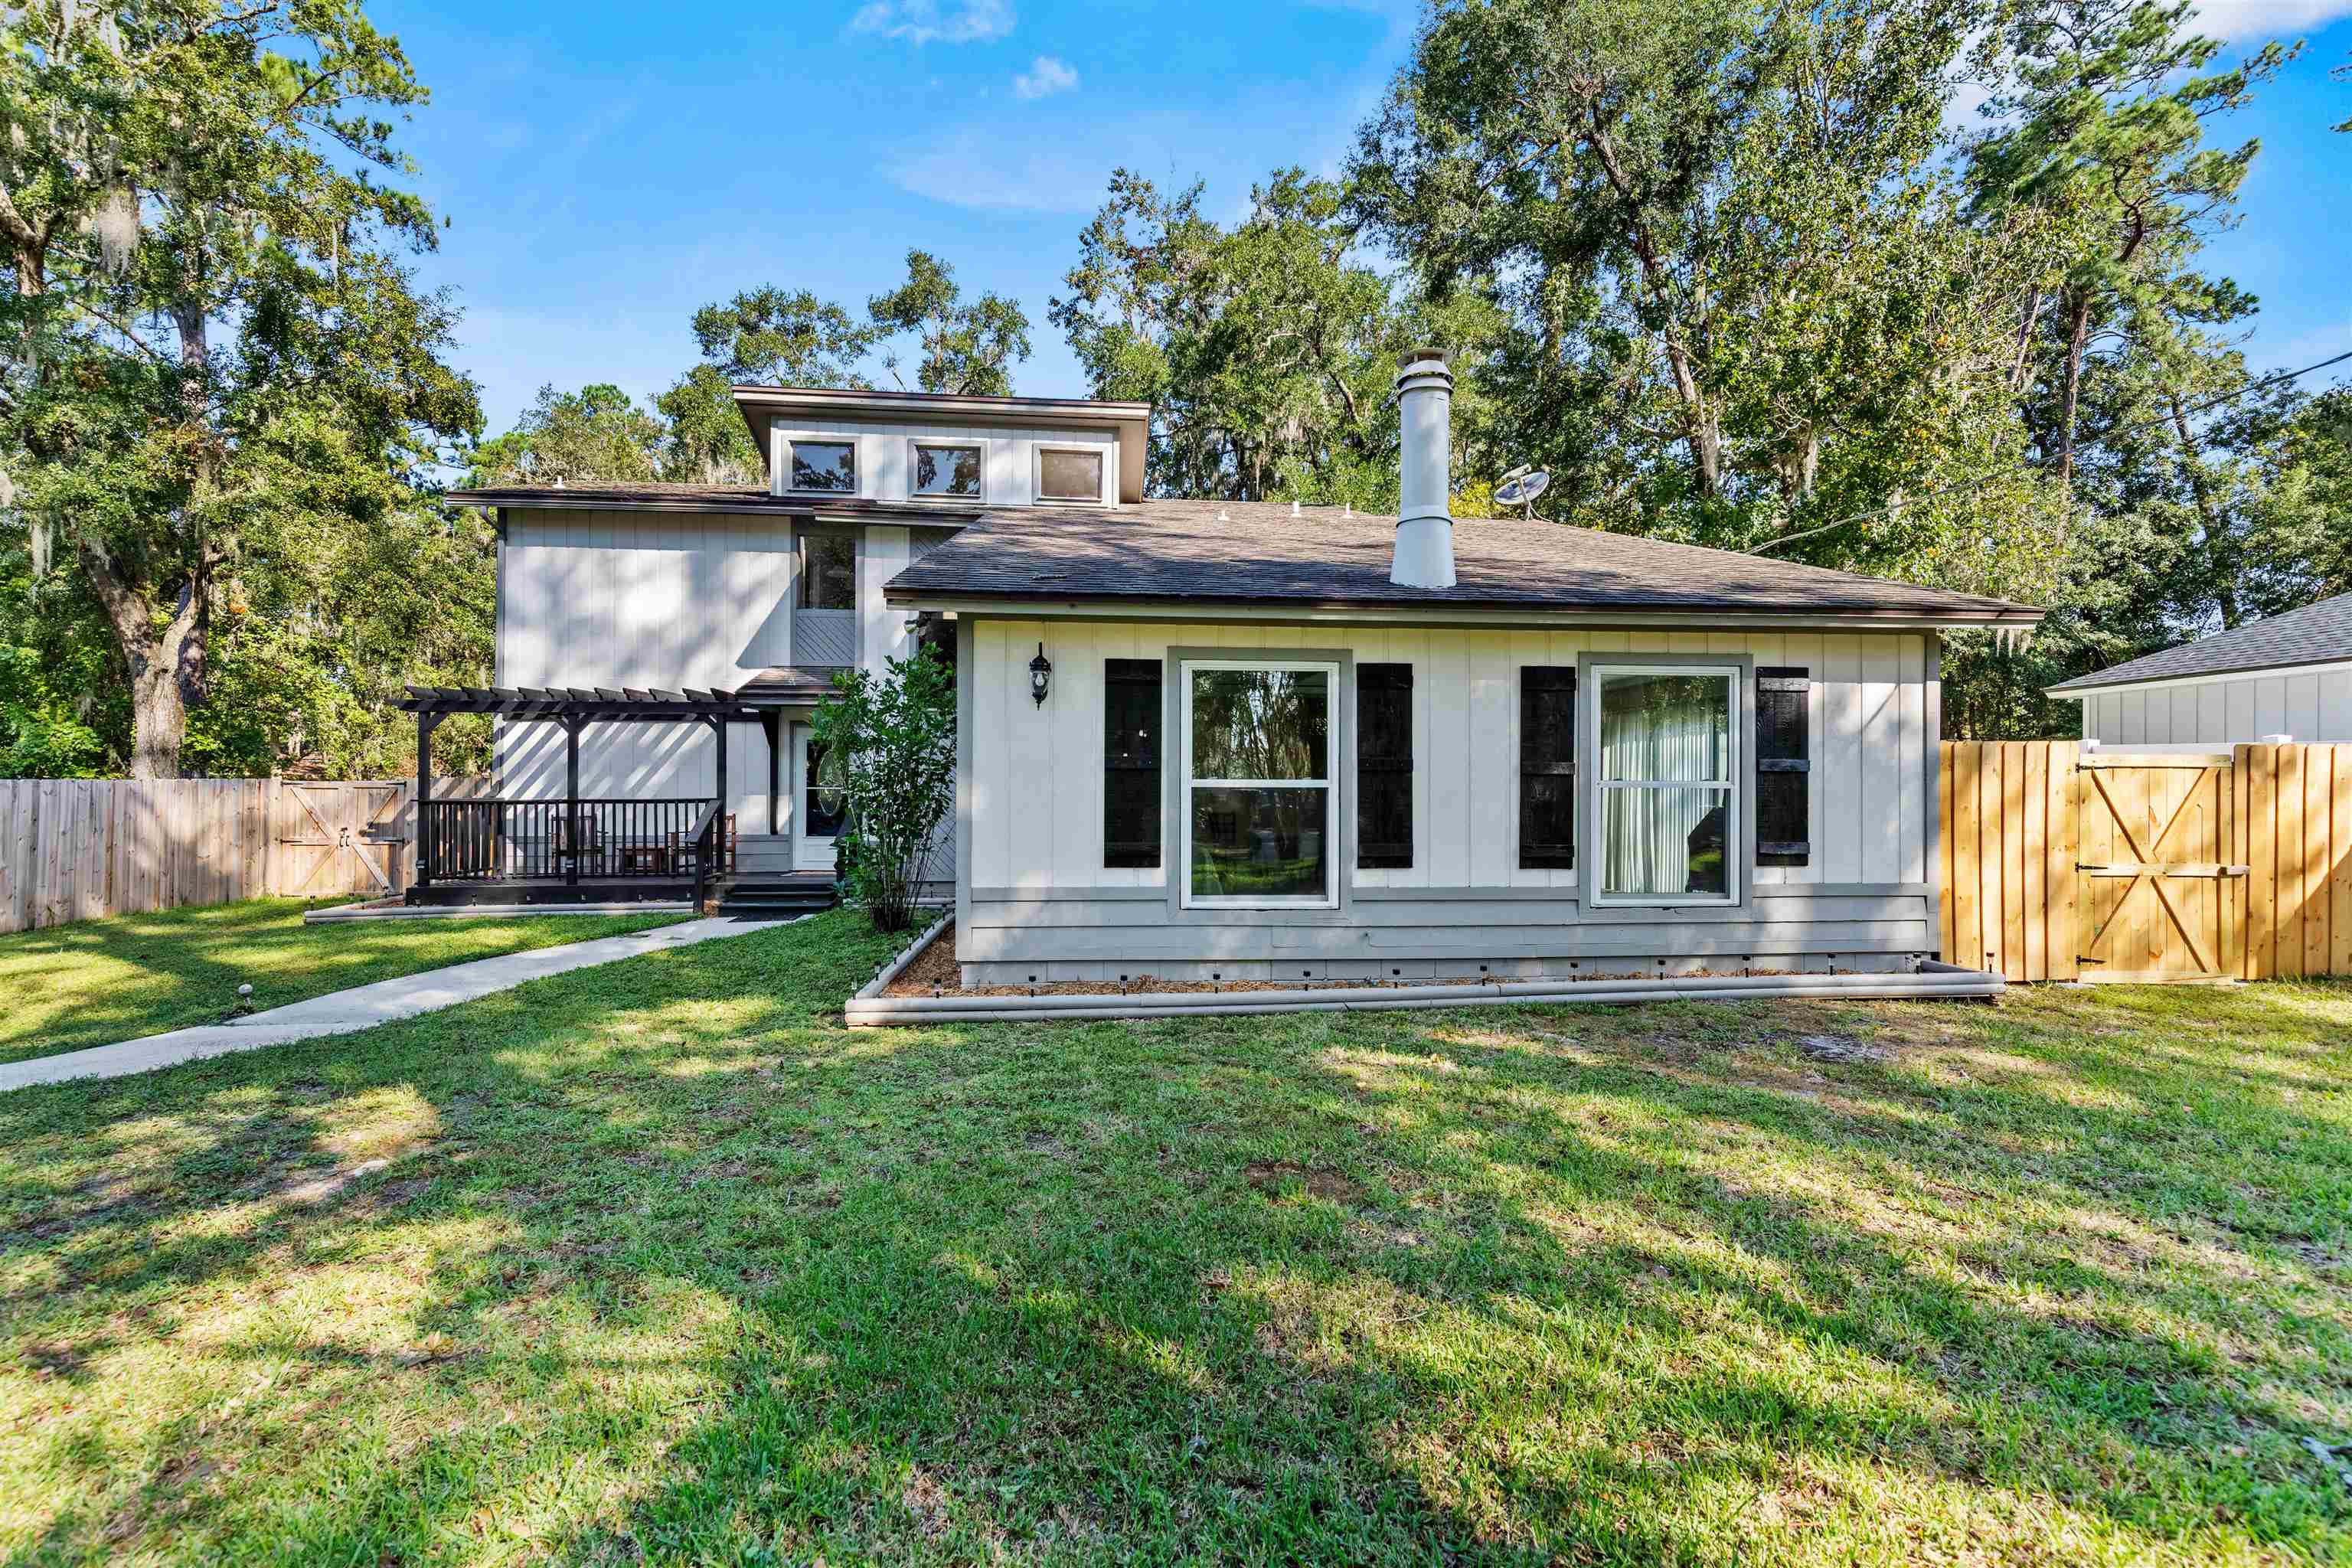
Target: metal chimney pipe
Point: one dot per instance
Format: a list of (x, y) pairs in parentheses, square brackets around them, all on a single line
[(1425, 535)]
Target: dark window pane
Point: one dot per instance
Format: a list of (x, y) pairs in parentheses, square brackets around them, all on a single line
[(1383, 765), (1261, 723), (1131, 737), (824, 800), (1259, 843), (828, 572), (826, 466), (1663, 842), (1069, 476), (946, 471), (1547, 767)]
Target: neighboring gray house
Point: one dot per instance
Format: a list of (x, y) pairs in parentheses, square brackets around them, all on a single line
[(2287, 677), (1208, 740)]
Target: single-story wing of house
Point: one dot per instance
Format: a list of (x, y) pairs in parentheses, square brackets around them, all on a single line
[(2285, 677), (1206, 740)]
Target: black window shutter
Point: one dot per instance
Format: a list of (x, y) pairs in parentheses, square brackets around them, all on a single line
[(1548, 766), (1383, 765), (1131, 726), (1783, 766)]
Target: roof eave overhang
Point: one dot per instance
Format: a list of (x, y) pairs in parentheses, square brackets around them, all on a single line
[(1384, 612), (792, 505)]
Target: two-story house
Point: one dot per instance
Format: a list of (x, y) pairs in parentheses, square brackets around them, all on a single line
[(1221, 740)]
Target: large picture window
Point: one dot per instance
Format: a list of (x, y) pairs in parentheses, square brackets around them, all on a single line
[(1665, 768), (1258, 813)]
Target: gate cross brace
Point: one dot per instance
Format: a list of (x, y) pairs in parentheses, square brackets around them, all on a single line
[(2143, 858)]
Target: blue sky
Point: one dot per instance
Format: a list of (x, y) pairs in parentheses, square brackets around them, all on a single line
[(603, 173)]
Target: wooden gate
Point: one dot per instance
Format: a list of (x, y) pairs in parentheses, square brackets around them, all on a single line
[(341, 837), (2162, 899), (2147, 866)]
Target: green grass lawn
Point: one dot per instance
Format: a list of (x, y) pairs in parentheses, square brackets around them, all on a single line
[(657, 1262), (96, 981)]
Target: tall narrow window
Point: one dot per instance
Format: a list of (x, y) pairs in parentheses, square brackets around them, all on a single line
[(824, 617), (1132, 739), (1666, 770), (826, 466), (1257, 814), (1383, 765), (1547, 767), (1783, 766), (828, 572)]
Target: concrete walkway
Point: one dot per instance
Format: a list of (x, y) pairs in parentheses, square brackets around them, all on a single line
[(364, 1007)]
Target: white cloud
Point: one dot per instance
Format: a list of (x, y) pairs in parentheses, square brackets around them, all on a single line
[(1046, 77), (2248, 21), (923, 21), (972, 169)]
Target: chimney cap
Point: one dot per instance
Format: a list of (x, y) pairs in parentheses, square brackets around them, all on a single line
[(1411, 357)]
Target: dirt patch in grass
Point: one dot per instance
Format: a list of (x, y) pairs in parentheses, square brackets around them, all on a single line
[(1270, 1176)]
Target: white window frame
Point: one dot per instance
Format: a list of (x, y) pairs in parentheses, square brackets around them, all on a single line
[(1591, 861), (917, 446), (1329, 785), (1037, 472), (856, 463)]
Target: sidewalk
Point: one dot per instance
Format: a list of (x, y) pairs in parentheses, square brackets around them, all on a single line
[(363, 1006)]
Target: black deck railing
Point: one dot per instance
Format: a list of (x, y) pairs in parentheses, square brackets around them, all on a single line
[(571, 841)]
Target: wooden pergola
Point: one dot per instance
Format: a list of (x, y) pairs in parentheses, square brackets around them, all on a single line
[(574, 709)]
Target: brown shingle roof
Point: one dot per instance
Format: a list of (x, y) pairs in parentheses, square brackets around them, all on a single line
[(1244, 553)]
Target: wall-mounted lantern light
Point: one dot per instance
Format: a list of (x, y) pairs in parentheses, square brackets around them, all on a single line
[(1041, 675)]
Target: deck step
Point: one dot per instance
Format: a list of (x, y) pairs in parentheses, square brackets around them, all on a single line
[(773, 894)]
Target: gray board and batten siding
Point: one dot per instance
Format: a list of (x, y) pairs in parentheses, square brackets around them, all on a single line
[(2312, 707), (1035, 898), (625, 598)]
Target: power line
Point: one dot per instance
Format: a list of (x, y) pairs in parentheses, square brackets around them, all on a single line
[(2278, 378)]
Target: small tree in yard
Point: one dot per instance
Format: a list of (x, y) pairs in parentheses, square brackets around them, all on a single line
[(889, 744)]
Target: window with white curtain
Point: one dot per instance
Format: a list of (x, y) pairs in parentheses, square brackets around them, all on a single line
[(1664, 764), (1258, 815)]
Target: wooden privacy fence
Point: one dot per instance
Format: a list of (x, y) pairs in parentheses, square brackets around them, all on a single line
[(2146, 866), (76, 849)]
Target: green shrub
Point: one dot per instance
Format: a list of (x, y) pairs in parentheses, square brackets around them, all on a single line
[(892, 738)]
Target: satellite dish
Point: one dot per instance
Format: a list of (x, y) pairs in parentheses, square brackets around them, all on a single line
[(1521, 486)]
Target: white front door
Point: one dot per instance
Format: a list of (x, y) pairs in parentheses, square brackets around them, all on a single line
[(816, 810)]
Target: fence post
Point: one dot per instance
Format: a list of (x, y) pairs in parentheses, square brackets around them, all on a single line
[(2065, 892)]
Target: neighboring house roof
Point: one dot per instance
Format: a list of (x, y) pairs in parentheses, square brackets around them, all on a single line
[(1237, 553), (2316, 634)]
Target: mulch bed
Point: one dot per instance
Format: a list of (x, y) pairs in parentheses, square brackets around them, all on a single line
[(935, 973)]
